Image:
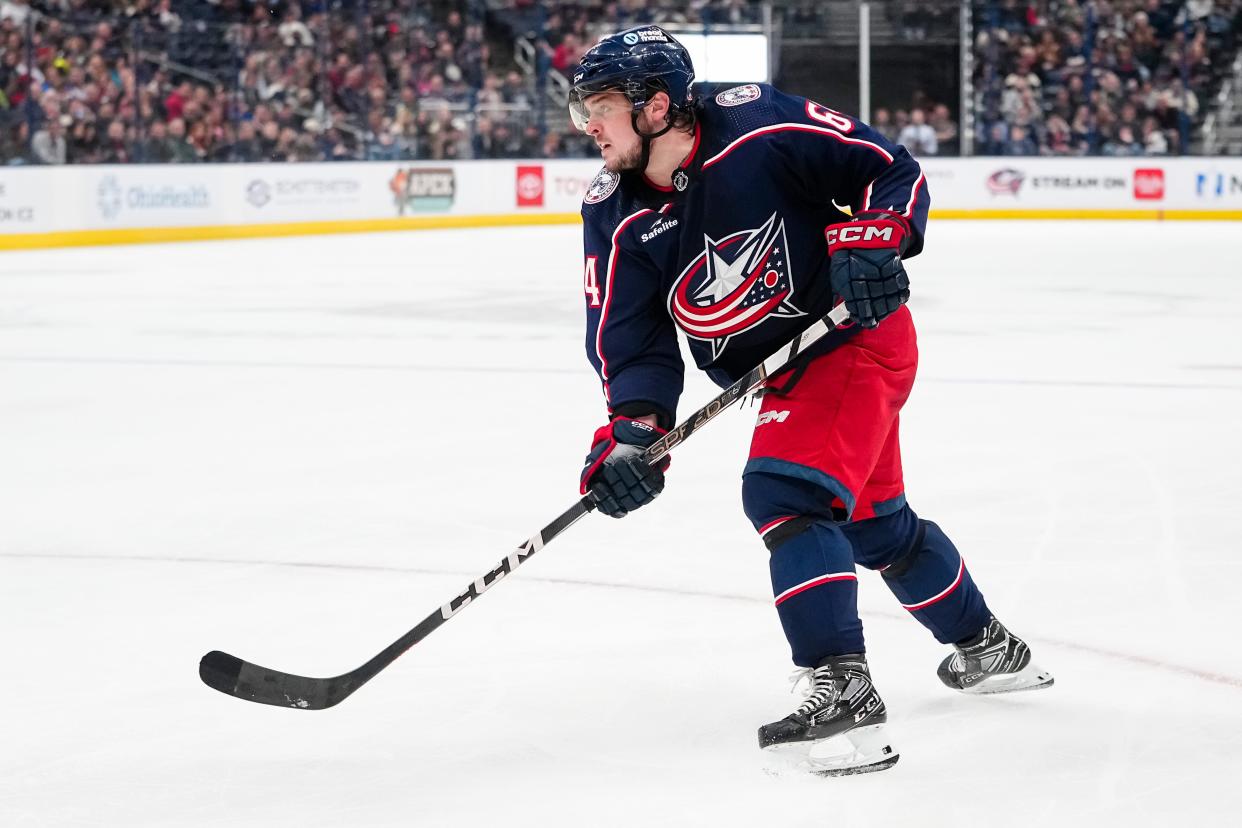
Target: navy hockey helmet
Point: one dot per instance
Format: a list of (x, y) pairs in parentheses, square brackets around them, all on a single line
[(638, 63)]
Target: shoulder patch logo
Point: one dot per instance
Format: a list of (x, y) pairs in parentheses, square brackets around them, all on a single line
[(739, 95), (602, 187)]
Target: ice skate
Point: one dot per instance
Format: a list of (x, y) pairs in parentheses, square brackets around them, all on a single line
[(839, 729), (995, 661)]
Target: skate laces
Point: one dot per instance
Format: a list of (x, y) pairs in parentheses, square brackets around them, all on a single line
[(820, 690), (798, 676)]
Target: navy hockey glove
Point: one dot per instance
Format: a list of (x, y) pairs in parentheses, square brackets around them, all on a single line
[(865, 265), (615, 474)]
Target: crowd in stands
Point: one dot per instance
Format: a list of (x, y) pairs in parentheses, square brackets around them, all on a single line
[(92, 81), (1114, 77), (278, 81), (926, 128)]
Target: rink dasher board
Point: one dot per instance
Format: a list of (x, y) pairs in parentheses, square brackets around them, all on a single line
[(122, 204)]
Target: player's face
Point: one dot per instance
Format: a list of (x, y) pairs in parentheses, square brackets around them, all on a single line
[(608, 122)]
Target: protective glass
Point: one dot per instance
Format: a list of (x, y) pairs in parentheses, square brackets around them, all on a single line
[(580, 113)]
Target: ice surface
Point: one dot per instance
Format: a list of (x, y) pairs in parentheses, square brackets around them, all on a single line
[(295, 449)]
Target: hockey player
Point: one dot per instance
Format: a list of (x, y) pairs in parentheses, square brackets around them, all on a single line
[(740, 216)]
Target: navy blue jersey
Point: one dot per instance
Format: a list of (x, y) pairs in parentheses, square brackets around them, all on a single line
[(737, 261)]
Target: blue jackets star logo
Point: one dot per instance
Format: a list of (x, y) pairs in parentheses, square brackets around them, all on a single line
[(734, 284)]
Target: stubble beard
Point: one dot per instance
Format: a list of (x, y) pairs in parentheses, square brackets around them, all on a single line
[(629, 160), (632, 159)]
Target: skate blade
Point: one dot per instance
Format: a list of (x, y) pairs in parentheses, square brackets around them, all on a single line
[(1030, 677), (863, 750)]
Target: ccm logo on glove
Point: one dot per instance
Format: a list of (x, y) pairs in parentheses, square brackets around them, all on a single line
[(861, 234), (864, 265)]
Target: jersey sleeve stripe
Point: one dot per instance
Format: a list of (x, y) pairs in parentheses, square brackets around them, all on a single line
[(914, 194), (603, 315), (790, 127)]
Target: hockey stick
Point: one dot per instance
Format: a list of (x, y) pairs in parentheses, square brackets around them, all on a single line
[(231, 675)]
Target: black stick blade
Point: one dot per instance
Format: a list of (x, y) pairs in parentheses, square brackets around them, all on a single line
[(243, 680), (219, 671)]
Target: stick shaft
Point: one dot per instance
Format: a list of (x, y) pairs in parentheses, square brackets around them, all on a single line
[(244, 680)]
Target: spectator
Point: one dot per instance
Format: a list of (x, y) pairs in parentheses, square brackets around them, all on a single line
[(114, 148), (514, 90), (531, 143), (336, 147), (454, 28), (1124, 144), (945, 129), (1058, 137), (490, 96), (174, 104), (901, 120), (1082, 128), (1154, 140), (179, 149), (245, 147), (13, 144), (15, 10), (481, 144), (49, 145), (157, 148), (882, 122), (198, 140), (83, 139), (269, 140), (566, 54), (472, 56), (918, 136), (552, 146), (504, 142), (293, 32), (1019, 143)]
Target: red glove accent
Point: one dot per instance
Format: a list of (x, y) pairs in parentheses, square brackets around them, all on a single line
[(621, 431), (870, 231), (605, 442)]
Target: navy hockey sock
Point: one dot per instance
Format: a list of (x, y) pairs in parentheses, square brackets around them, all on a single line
[(812, 566), (923, 568), (816, 593)]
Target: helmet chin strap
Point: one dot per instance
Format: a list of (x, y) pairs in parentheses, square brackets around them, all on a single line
[(647, 138)]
